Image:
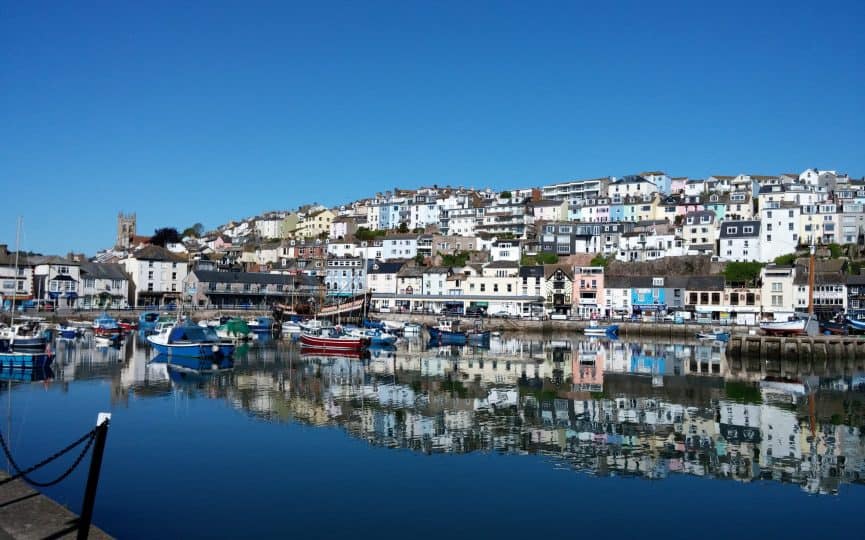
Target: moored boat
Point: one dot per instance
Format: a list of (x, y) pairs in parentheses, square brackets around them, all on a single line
[(332, 338), (411, 328), (147, 321), (597, 329), (25, 336), (261, 325), (105, 325), (376, 337), (190, 341), (792, 327), (715, 334), (448, 332)]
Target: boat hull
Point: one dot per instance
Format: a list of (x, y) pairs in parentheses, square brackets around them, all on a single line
[(785, 328), (443, 337), (29, 344), (332, 344), (601, 330), (193, 350)]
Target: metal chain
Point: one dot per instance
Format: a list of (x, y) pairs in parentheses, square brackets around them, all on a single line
[(90, 436)]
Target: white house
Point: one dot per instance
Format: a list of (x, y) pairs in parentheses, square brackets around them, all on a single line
[(399, 246), (157, 274), (505, 250), (739, 241), (56, 279), (14, 284), (779, 223), (103, 286), (269, 228)]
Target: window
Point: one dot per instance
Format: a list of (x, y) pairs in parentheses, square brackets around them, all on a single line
[(716, 298), (776, 286), (748, 230), (704, 298), (732, 230), (483, 287), (777, 300)]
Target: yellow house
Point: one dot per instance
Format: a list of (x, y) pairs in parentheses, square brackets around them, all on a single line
[(315, 224)]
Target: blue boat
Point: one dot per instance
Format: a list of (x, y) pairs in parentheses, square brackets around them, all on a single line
[(190, 341), (377, 337), (596, 329), (375, 325), (147, 321), (261, 325), (68, 332), (716, 335), (447, 332), (856, 325), (24, 360)]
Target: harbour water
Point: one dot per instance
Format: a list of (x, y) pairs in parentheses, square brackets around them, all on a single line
[(552, 434)]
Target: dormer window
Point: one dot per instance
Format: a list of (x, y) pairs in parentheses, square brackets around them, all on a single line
[(748, 230), (732, 230)]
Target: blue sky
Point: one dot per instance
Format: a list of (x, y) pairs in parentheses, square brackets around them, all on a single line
[(207, 111)]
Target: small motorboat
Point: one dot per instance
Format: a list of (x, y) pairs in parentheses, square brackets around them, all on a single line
[(127, 325), (411, 328), (27, 336), (261, 325), (147, 321), (792, 327), (835, 326), (856, 325), (68, 333), (105, 325), (597, 329), (191, 341), (234, 329), (332, 338), (715, 334), (376, 337), (448, 332)]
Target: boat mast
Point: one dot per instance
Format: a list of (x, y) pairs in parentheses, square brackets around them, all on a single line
[(15, 292), (811, 282)]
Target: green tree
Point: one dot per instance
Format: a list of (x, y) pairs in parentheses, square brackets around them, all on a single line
[(785, 260), (403, 227), (165, 235), (600, 260), (362, 233), (547, 258), (505, 195), (419, 259), (455, 259), (195, 231), (835, 250), (742, 272)]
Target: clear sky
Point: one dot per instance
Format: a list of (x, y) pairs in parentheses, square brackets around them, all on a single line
[(191, 112)]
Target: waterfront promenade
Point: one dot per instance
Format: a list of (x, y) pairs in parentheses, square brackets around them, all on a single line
[(26, 514)]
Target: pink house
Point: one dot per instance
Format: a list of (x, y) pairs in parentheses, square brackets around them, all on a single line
[(589, 298)]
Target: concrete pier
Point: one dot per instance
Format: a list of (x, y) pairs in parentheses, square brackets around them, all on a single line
[(27, 514)]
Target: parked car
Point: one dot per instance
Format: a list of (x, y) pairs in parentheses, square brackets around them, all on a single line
[(502, 314), (475, 311)]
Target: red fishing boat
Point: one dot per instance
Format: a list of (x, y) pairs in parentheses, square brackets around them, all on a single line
[(332, 338)]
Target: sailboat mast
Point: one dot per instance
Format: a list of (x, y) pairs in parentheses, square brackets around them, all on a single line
[(811, 282), (17, 254)]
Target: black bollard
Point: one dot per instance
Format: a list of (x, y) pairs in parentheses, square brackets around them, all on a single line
[(84, 520)]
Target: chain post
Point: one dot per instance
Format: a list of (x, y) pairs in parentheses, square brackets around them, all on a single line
[(102, 422)]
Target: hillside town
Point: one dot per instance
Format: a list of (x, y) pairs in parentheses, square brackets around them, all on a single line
[(722, 248)]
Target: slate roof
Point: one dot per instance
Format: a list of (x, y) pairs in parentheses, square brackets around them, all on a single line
[(102, 271), (502, 264), (385, 267), (531, 271), (260, 278), (736, 229)]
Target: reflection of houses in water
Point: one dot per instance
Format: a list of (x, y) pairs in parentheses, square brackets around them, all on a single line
[(589, 404)]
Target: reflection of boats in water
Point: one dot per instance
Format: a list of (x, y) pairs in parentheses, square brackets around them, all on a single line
[(25, 360), (311, 353), (27, 375), (183, 366)]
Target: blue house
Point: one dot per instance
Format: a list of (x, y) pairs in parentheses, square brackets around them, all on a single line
[(648, 294)]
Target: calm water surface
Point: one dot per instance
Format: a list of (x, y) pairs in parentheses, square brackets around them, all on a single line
[(539, 435)]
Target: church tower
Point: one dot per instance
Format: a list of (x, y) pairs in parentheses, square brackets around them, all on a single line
[(125, 230)]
